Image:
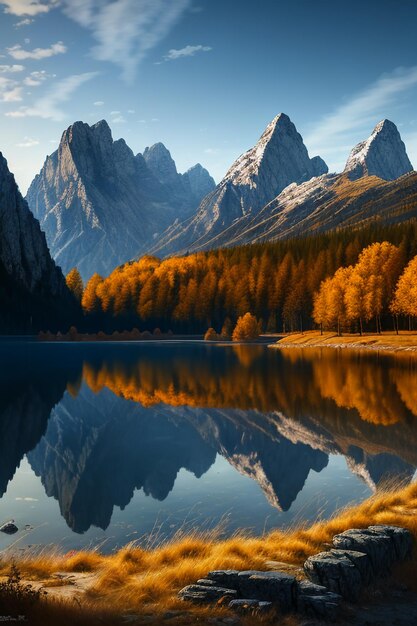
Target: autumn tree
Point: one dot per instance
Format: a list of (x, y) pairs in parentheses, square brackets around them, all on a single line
[(90, 301), (405, 297), (246, 328), (75, 283), (211, 335)]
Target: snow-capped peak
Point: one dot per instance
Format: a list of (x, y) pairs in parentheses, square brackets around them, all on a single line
[(383, 154)]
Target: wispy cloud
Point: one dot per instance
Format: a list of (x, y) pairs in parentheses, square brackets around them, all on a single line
[(359, 113), (28, 7), (48, 106), (187, 51), (18, 53), (25, 22), (37, 78), (10, 91), (98, 103), (11, 69), (28, 142), (126, 30)]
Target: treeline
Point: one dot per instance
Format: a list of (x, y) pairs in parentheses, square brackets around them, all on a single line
[(275, 282), (376, 285)]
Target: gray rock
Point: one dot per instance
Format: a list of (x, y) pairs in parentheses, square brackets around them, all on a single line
[(336, 572), (9, 528), (321, 607), (317, 601), (276, 587), (383, 154), (360, 560), (401, 538), (205, 593), (206, 582), (376, 545), (225, 577), (250, 606)]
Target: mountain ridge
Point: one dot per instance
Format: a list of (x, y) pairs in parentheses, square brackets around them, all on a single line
[(100, 205)]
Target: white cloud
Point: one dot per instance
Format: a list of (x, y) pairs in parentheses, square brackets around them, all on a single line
[(126, 30), (359, 115), (26, 22), (12, 95), (28, 142), (131, 111), (18, 53), (187, 51), (28, 7), (10, 91), (48, 107), (118, 119), (37, 78), (99, 103), (115, 112), (11, 69)]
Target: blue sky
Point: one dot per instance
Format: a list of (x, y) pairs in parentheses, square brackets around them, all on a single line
[(204, 76)]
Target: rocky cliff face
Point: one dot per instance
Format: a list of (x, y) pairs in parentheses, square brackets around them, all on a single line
[(257, 176), (187, 189), (29, 279), (199, 181), (99, 204), (383, 154)]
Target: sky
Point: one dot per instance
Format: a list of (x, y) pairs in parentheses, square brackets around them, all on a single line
[(205, 77)]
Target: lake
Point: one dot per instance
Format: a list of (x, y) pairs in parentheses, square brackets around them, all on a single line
[(105, 443)]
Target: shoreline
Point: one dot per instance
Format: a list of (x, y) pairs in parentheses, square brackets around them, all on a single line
[(87, 587), (387, 342)]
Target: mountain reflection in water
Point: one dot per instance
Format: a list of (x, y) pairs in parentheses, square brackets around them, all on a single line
[(98, 422)]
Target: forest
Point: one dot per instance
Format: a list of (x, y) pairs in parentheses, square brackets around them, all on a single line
[(287, 285)]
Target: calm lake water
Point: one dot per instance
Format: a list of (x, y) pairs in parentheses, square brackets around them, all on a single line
[(101, 444)]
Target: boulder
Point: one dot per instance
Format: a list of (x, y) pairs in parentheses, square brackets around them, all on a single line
[(205, 593), (377, 545), (224, 577), (253, 606), (9, 528), (401, 538), (276, 587), (317, 602), (335, 571)]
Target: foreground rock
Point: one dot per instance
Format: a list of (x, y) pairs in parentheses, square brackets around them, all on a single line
[(359, 557), (9, 528)]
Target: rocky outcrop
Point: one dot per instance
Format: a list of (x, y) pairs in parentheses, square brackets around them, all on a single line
[(32, 287), (257, 176), (100, 205), (383, 154), (360, 556)]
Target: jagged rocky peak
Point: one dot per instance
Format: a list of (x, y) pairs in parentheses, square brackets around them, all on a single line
[(383, 154), (200, 181), (279, 156), (159, 160)]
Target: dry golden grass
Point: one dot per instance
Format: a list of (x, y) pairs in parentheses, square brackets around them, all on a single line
[(388, 341), (146, 581)]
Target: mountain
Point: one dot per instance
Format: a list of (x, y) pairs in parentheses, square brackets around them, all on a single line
[(383, 155), (257, 176), (100, 205), (378, 182), (33, 292)]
